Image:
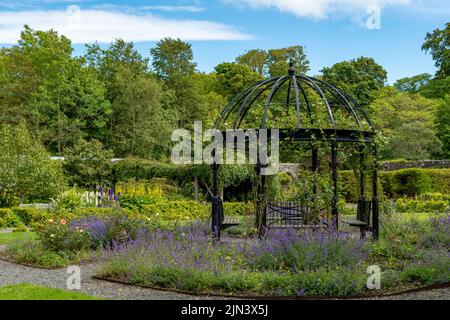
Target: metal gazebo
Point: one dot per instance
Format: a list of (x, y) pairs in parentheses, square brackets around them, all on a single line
[(304, 110)]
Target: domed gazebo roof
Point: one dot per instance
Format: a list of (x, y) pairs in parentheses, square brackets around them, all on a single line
[(298, 104)]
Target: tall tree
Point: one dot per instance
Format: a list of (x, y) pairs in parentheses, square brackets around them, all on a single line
[(413, 84), (442, 122), (438, 44), (406, 121), (232, 78), (172, 58), (255, 59), (278, 60), (142, 127), (361, 78), (26, 169), (63, 100)]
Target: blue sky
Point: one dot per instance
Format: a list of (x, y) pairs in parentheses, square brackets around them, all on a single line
[(219, 30)]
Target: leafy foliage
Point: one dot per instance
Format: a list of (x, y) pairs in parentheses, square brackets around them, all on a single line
[(25, 166)]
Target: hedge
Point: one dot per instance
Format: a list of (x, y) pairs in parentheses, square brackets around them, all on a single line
[(398, 183), (169, 211)]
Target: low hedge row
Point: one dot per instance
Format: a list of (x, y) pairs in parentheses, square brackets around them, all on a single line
[(399, 183), (168, 211)]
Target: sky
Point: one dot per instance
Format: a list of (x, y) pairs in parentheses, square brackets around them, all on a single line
[(390, 31)]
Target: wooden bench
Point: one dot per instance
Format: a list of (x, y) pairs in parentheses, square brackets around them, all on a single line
[(362, 220)]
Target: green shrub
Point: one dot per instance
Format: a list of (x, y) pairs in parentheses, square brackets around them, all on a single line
[(68, 200), (412, 205), (59, 237), (411, 182), (398, 183), (176, 210), (436, 270), (32, 252), (12, 220)]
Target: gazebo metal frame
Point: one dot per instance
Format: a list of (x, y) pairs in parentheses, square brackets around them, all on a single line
[(300, 84)]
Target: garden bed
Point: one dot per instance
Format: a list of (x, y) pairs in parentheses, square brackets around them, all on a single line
[(412, 253)]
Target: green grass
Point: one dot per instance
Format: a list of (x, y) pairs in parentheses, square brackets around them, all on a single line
[(34, 292), (6, 238)]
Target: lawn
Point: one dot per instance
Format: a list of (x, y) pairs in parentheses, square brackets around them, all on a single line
[(6, 238), (34, 292)]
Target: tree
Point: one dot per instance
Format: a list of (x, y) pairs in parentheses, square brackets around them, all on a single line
[(232, 78), (88, 164), (361, 78), (141, 126), (255, 59), (438, 44), (60, 99), (406, 122), (26, 170), (108, 62), (172, 58), (278, 60), (442, 122), (436, 88), (413, 84)]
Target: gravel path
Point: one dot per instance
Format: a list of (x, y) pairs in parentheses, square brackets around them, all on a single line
[(435, 294), (11, 273)]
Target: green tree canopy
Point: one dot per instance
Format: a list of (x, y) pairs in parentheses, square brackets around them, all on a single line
[(414, 83), (361, 78), (26, 170), (278, 60), (438, 44), (172, 58), (88, 164), (255, 59), (233, 78), (42, 83), (406, 122)]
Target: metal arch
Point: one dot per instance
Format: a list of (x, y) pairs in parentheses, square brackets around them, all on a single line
[(359, 108), (275, 88), (237, 99), (288, 96), (308, 106), (346, 103), (270, 81), (316, 88), (297, 103), (249, 105)]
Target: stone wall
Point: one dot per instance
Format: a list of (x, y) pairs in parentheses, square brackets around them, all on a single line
[(390, 166)]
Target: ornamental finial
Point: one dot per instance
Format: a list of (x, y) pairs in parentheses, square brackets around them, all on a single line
[(291, 70)]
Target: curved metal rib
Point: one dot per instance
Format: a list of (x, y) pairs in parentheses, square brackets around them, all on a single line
[(308, 106), (249, 95), (288, 96), (333, 90), (316, 88), (297, 103), (275, 88), (236, 100), (358, 107)]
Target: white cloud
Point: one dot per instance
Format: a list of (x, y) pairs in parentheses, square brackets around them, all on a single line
[(88, 26), (319, 9), (174, 8)]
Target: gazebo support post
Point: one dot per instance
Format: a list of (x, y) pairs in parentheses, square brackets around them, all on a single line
[(334, 210), (260, 201), (215, 223), (314, 169), (362, 182), (375, 221)]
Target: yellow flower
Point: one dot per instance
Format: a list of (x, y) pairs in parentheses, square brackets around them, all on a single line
[(50, 220)]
